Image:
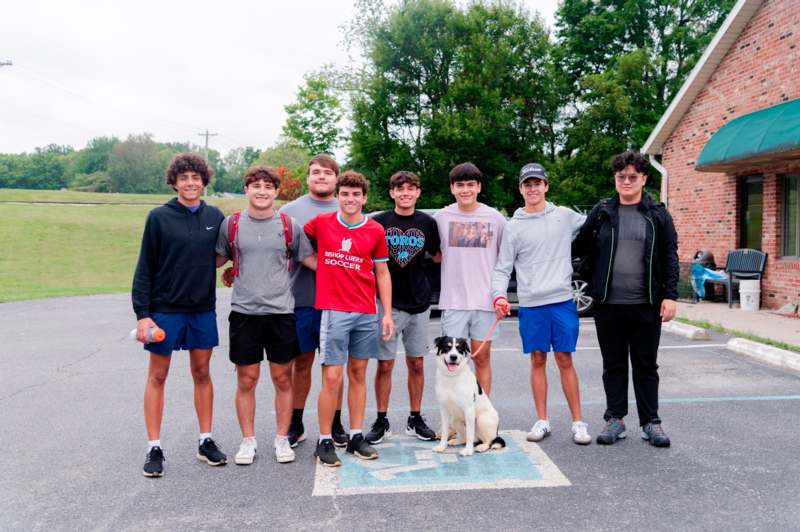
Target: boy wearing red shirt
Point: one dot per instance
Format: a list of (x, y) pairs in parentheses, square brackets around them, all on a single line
[(349, 245)]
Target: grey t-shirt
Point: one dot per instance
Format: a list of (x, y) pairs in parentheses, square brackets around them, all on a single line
[(628, 285), (302, 210), (263, 285)]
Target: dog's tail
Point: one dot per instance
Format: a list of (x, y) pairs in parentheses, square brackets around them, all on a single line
[(498, 443)]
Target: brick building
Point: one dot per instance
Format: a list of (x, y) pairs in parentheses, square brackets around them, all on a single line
[(730, 145)]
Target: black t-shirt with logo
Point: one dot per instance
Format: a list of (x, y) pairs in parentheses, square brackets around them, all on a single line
[(408, 238)]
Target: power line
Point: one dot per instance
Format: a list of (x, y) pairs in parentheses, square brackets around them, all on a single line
[(5, 63)]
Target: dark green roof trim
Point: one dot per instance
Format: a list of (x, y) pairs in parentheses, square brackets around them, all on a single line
[(765, 136)]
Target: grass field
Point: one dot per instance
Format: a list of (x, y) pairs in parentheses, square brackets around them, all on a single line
[(73, 243)]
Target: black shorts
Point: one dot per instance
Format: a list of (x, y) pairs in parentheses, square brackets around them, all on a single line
[(252, 335)]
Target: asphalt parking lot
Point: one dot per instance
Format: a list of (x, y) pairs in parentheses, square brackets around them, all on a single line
[(71, 384)]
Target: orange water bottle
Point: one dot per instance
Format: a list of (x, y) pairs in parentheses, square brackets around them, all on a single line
[(154, 334)]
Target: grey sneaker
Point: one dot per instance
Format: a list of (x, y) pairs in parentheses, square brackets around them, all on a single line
[(654, 434), (613, 431)]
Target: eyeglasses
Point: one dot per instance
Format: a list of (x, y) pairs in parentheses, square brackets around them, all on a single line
[(631, 178)]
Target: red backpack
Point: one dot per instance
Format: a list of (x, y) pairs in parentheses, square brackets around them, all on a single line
[(236, 254)]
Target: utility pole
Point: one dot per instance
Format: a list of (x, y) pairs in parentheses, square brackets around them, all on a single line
[(206, 135)]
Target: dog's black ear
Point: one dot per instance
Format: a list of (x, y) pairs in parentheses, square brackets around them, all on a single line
[(462, 346)]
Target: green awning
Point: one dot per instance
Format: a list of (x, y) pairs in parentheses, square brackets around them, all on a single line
[(767, 136)]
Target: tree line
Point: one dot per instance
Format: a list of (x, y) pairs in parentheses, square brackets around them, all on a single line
[(436, 82)]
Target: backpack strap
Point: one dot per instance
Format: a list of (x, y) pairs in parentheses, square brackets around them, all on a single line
[(233, 242), (287, 237)]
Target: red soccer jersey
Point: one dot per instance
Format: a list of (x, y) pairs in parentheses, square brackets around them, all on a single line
[(345, 257)]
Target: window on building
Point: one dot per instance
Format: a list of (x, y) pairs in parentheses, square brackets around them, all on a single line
[(752, 213), (791, 216)]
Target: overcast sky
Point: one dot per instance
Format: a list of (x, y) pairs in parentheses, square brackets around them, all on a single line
[(89, 68)]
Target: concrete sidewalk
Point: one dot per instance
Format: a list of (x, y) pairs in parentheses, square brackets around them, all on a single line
[(763, 323)]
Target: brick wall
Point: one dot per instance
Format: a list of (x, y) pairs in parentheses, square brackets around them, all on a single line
[(761, 69)]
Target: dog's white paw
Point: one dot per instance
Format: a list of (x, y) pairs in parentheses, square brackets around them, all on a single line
[(456, 441), (440, 448), (466, 451), (482, 448)]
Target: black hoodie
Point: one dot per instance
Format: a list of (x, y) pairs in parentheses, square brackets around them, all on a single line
[(176, 271)]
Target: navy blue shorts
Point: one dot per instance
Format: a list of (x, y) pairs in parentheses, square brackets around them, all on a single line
[(553, 325), (185, 330), (308, 323)]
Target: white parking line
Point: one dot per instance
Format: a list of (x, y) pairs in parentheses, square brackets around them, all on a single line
[(597, 348)]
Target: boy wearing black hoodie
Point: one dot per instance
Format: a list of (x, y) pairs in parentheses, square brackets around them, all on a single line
[(174, 288)]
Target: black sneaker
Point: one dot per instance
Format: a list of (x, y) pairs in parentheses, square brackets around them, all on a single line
[(379, 431), (359, 447), (209, 452), (613, 431), (654, 434), (326, 454), (296, 433), (340, 437), (154, 465), (416, 426)]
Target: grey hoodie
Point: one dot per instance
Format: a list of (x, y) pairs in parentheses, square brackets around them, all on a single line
[(539, 247)]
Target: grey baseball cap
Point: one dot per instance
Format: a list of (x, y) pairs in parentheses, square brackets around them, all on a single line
[(532, 171)]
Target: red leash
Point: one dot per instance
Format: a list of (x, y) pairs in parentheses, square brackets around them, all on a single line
[(488, 336)]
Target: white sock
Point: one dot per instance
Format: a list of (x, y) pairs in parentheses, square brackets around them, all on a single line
[(325, 437), (281, 437), (353, 432), (153, 443), (204, 435), (250, 438)]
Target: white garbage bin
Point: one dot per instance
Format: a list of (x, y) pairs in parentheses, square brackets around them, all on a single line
[(750, 295)]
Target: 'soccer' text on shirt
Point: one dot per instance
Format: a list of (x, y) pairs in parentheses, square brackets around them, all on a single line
[(337, 258)]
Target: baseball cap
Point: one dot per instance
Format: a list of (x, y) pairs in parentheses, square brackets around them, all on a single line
[(532, 171)]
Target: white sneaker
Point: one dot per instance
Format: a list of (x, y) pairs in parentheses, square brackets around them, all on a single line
[(580, 433), (283, 450), (539, 431), (247, 452)]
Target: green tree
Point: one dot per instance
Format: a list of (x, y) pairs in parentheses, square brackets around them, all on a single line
[(623, 61), (286, 154), (313, 119), (137, 165), (447, 85), (234, 165)]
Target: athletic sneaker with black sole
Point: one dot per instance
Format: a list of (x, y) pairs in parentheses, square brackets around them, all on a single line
[(379, 431), (297, 433), (654, 434), (210, 453), (613, 431), (154, 465), (340, 437), (359, 447), (326, 454), (416, 426)]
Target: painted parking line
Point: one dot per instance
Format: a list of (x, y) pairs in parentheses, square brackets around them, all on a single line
[(597, 348), (409, 465)]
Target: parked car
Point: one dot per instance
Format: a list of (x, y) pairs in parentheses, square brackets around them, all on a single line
[(584, 303)]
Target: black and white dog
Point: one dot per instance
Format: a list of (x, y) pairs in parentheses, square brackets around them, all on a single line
[(464, 406)]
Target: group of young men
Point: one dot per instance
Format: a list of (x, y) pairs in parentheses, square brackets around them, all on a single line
[(321, 275)]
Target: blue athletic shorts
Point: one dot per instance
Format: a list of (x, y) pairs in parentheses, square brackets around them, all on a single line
[(308, 322), (185, 330), (555, 325)]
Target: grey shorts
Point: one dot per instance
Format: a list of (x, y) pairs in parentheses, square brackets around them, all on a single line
[(344, 334), (413, 327), (473, 324)]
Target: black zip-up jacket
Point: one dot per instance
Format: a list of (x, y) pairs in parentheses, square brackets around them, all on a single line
[(176, 271), (596, 244)]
